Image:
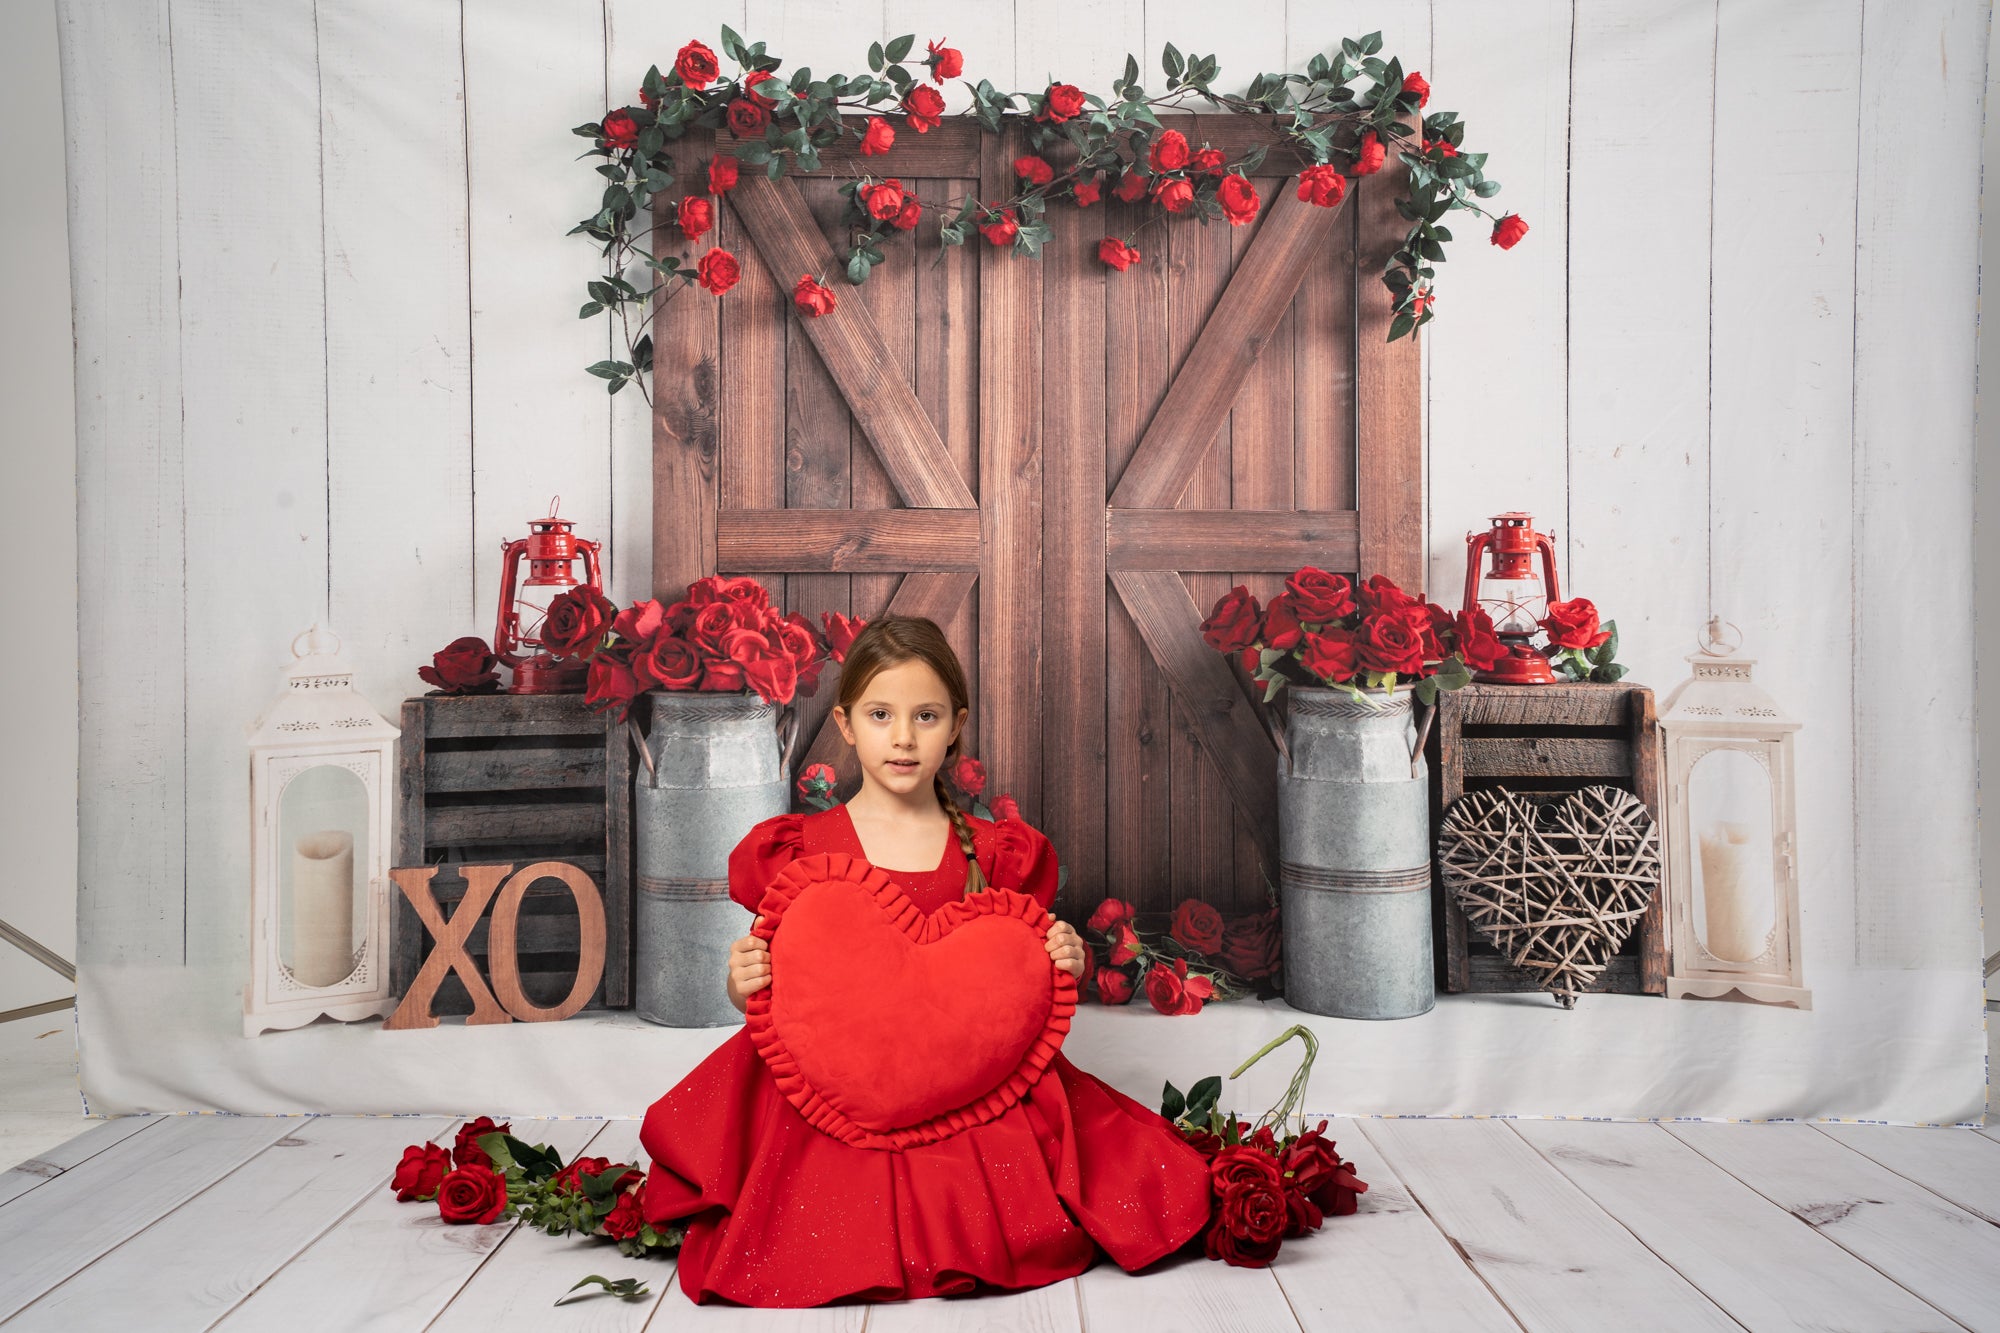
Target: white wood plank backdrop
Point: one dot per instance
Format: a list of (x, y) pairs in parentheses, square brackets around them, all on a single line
[(326, 362)]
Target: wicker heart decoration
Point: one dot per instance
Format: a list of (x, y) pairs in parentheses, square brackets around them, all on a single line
[(888, 1028), (1555, 888)]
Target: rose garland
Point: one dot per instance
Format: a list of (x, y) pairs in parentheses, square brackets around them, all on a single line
[(1265, 1189), (1199, 957), (488, 1175), (1345, 132)]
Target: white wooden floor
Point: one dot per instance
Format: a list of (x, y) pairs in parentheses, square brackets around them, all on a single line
[(167, 1223)]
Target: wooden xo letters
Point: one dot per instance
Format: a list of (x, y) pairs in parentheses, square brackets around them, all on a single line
[(449, 954)]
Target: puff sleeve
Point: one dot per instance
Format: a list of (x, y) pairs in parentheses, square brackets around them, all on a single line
[(766, 849), (1025, 859)]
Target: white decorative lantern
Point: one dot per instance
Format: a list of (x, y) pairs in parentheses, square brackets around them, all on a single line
[(1732, 836), (321, 764)]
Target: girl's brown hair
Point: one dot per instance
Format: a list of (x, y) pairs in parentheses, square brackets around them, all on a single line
[(888, 641)]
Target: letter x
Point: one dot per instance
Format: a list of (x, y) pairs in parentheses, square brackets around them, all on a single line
[(448, 954)]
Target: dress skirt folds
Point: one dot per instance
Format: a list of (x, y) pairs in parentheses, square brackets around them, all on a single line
[(779, 1214)]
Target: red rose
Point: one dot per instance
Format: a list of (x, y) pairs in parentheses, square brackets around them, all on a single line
[(924, 108), (882, 200), (638, 622), (1238, 198), (710, 623), (1060, 102), (1318, 596), (1421, 299), (1002, 229), (620, 130), (1173, 194), (1252, 945), (1113, 986), (696, 216), (611, 684), (696, 65), (647, 100), (800, 640), (1508, 230), (968, 775), (722, 676), (577, 621), (716, 588), (1234, 622), (463, 666), (624, 1220), (669, 662), (722, 170), (1173, 991), (1380, 594), (1109, 913), (1573, 624), (1197, 926), (1033, 170), (474, 1193), (752, 82), (1249, 1226), (1116, 253), (1124, 944), (1389, 643), (1369, 155), (1322, 184), (1302, 1215), (811, 298), (465, 1149), (1321, 1173), (817, 777), (1443, 147), (1329, 654), (1477, 645), (880, 138), (747, 118), (912, 213), (1005, 807), (1434, 623), (1204, 1141), (774, 678), (569, 1180), (1243, 1164), (1282, 629), (1086, 193), (744, 644), (417, 1176), (718, 270), (1131, 187), (1414, 82), (1170, 151), (1208, 161), (945, 62), (840, 632)]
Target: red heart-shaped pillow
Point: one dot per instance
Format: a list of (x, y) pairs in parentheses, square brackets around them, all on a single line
[(887, 1028)]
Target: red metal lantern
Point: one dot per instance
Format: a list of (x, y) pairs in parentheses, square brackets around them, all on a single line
[(1512, 594), (552, 550)]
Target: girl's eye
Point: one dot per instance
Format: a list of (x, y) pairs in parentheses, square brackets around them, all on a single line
[(928, 716)]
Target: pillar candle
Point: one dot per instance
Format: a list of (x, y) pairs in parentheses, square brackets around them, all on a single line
[(1728, 882), (323, 907)]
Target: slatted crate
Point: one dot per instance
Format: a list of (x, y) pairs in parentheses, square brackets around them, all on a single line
[(1543, 741), (498, 778)]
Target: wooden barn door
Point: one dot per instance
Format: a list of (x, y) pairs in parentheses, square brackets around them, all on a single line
[(1061, 465)]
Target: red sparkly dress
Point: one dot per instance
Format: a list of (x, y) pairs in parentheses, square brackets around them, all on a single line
[(779, 1214)]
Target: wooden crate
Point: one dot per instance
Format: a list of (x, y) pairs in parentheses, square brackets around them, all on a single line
[(1543, 741), (492, 778)]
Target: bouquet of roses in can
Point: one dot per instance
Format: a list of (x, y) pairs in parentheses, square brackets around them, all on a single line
[(1197, 958), (1325, 630), (1269, 1184), (488, 1175), (723, 635)]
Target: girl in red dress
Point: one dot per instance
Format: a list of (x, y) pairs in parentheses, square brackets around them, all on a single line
[(777, 1213)]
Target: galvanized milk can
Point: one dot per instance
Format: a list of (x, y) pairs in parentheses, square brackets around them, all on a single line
[(713, 766), (1354, 856)]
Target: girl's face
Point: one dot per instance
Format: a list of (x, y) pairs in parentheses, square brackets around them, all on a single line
[(901, 727)]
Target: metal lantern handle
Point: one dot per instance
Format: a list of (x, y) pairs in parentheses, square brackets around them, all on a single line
[(314, 629), (788, 736)]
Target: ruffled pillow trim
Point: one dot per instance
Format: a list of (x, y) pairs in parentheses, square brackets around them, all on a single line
[(817, 1107)]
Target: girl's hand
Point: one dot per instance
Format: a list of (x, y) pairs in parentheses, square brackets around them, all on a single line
[(1066, 948), (749, 968)]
